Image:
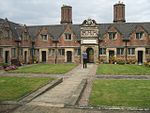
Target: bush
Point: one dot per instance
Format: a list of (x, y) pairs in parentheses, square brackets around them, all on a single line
[(15, 62), (4, 65), (1, 67), (147, 64), (131, 61), (112, 60), (11, 68), (120, 61)]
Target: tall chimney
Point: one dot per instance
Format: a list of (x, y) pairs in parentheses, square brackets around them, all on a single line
[(119, 12), (66, 14)]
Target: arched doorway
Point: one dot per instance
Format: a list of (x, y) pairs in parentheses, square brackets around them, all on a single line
[(90, 55), (69, 56)]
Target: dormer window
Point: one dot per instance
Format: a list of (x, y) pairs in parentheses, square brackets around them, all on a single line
[(44, 37), (139, 35), (25, 36), (68, 37), (112, 35)]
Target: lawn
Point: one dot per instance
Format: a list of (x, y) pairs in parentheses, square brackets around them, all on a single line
[(128, 93), (12, 88), (46, 68), (114, 69)]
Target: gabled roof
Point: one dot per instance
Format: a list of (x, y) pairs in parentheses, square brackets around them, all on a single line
[(12, 25), (55, 30), (125, 28)]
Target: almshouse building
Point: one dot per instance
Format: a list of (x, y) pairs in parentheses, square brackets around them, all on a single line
[(67, 41)]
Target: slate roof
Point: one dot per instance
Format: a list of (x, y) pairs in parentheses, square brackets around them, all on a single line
[(125, 28), (12, 25), (56, 30)]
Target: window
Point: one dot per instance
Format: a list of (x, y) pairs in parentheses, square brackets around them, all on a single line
[(61, 52), (148, 51), (102, 51), (77, 51), (1, 52), (139, 35), (44, 37), (120, 51), (13, 52), (21, 51), (131, 51), (6, 33), (112, 35), (1, 34), (25, 36), (51, 52), (67, 36)]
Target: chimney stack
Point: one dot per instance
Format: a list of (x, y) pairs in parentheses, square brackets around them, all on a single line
[(119, 12), (66, 14)]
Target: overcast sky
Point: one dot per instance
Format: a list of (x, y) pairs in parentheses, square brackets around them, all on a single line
[(35, 12)]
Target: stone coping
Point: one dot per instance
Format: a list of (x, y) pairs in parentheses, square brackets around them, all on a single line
[(76, 94), (27, 98), (110, 108), (137, 77)]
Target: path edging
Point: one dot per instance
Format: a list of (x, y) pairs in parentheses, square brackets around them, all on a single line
[(76, 94), (41, 91)]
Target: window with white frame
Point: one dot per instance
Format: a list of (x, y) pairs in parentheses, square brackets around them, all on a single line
[(61, 52), (44, 37), (68, 37), (102, 51), (139, 35), (51, 52), (131, 51), (1, 52), (77, 51), (120, 51), (13, 52), (112, 35), (148, 51)]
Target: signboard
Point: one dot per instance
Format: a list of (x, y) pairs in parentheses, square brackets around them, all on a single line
[(89, 41)]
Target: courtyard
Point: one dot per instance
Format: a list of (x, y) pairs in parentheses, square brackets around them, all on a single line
[(94, 92)]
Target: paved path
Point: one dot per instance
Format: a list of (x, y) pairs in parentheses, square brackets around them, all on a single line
[(45, 109), (60, 95)]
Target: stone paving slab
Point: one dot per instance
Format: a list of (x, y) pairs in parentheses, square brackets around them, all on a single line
[(45, 109), (60, 94)]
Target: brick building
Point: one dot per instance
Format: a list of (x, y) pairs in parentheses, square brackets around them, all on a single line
[(67, 41)]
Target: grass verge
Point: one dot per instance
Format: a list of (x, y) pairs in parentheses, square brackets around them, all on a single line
[(13, 88), (114, 69), (128, 93), (46, 68)]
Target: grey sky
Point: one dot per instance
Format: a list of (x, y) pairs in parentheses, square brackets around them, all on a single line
[(35, 12)]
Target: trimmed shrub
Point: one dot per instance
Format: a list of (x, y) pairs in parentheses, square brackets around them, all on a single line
[(147, 64), (120, 61)]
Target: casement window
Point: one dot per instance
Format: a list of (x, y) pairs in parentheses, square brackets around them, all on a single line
[(1, 52), (6, 33), (1, 34), (148, 51), (102, 51), (131, 51), (44, 37), (139, 35), (68, 37), (120, 51), (13, 52), (61, 52), (21, 51), (77, 51), (112, 35), (25, 36), (51, 52)]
